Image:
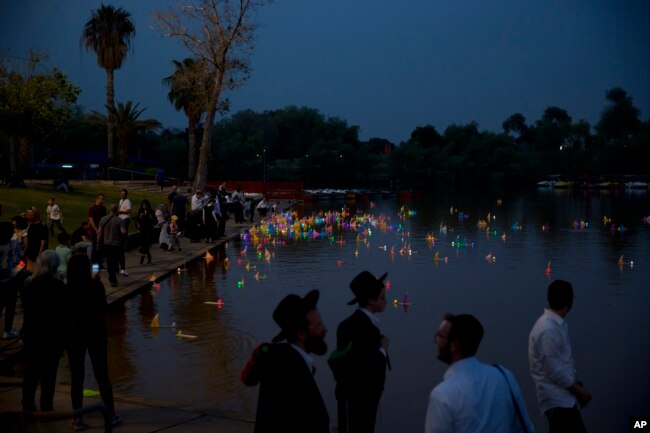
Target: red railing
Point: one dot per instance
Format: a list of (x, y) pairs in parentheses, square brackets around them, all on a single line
[(272, 190)]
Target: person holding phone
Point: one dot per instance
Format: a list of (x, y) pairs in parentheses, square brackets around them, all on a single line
[(88, 334)]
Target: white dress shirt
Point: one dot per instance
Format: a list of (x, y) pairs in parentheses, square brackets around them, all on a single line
[(551, 362), (124, 206), (196, 203), (474, 398), (308, 359)]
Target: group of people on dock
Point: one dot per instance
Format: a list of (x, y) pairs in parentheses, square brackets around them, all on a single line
[(103, 236), (473, 397), (61, 285)]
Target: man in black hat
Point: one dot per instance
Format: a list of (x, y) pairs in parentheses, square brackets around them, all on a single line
[(289, 399), (363, 351)]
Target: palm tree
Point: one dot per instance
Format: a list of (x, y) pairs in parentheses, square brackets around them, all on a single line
[(126, 124), (187, 93), (108, 33)]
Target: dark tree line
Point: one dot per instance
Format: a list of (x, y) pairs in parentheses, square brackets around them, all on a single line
[(302, 144), (299, 143)]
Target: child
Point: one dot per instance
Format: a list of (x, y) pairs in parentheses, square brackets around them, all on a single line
[(173, 234), (64, 252), (54, 216)]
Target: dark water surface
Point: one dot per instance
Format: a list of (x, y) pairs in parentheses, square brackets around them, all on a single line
[(609, 325)]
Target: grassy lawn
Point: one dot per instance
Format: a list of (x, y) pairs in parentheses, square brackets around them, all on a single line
[(74, 205)]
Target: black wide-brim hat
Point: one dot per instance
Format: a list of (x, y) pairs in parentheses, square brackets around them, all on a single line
[(291, 311), (365, 284)]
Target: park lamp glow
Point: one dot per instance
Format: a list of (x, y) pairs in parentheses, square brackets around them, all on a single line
[(66, 166)]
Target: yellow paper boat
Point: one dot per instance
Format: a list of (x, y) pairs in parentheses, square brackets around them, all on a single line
[(188, 336), (155, 324)]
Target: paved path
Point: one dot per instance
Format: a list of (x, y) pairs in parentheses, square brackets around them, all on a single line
[(138, 415)]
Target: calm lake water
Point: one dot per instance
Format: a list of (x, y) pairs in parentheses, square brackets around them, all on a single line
[(609, 325)]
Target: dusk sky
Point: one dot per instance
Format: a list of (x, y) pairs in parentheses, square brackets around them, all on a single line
[(385, 66)]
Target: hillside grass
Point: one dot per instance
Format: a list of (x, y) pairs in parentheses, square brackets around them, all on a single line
[(74, 205)]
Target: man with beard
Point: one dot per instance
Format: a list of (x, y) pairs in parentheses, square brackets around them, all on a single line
[(473, 397), (362, 349), (289, 399)]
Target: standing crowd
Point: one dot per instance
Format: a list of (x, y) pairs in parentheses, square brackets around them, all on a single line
[(63, 299), (59, 286), (473, 397)]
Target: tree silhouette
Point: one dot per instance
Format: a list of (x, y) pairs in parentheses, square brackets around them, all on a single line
[(108, 33)]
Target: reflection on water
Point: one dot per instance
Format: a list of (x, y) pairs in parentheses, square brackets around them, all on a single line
[(496, 271)]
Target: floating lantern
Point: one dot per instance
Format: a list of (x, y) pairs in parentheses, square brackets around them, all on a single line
[(155, 324), (188, 336), (218, 303)]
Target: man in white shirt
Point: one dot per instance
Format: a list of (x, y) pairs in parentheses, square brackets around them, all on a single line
[(197, 201), (124, 212), (473, 397), (552, 365)]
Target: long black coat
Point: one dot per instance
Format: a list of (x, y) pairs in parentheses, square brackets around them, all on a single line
[(365, 369), (289, 399)]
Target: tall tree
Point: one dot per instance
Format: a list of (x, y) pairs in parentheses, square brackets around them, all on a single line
[(187, 91), (219, 33), (108, 33), (553, 129), (426, 136), (127, 124), (515, 123), (620, 119), (32, 104)]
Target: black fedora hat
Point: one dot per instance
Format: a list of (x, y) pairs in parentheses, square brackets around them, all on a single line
[(290, 313), (364, 284)]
